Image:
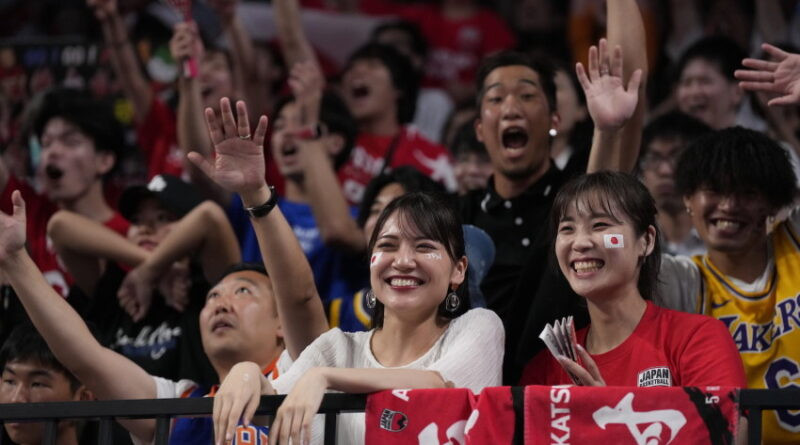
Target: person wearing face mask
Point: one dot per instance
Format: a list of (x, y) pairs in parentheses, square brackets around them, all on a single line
[(733, 183), (169, 224), (607, 246), (417, 267)]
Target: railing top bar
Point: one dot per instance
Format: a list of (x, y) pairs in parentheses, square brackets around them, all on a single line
[(749, 398), (770, 398), (156, 408)]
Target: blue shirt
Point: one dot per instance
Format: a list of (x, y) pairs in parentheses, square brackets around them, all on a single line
[(336, 274)]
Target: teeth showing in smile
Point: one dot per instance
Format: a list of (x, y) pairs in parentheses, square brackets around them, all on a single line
[(404, 282), (587, 266), (724, 224)]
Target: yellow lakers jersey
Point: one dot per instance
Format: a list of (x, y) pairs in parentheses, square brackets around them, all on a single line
[(765, 325)]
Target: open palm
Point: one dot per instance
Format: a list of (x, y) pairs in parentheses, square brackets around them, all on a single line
[(239, 163), (610, 104), (781, 76)]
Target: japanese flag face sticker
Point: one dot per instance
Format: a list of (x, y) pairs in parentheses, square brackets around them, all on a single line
[(613, 241), (376, 257)]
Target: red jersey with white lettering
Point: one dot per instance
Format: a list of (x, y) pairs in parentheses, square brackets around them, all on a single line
[(667, 348), (39, 209), (368, 156), (457, 46), (157, 135)]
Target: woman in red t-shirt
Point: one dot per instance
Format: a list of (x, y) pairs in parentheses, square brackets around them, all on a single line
[(607, 246)]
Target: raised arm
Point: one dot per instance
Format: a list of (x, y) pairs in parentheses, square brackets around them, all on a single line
[(239, 168), (615, 146), (185, 44), (781, 77), (123, 57), (294, 42), (610, 105), (205, 234), (106, 373), (337, 227), (626, 28), (84, 245)]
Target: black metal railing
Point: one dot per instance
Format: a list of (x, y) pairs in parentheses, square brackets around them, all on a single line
[(163, 410)]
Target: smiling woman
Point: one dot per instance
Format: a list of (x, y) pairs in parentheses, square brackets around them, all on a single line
[(607, 246), (417, 266)]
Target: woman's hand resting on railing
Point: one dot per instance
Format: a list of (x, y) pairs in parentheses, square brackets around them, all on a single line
[(294, 417), (237, 398)]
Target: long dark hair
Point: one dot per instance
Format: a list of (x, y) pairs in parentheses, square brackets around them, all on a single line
[(615, 192), (434, 216)]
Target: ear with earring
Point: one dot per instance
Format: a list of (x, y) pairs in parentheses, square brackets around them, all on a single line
[(553, 132), (371, 300), (452, 302), (689, 211)]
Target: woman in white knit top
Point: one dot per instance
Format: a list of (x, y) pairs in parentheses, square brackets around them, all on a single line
[(420, 339)]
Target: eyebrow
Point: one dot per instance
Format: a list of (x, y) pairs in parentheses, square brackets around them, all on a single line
[(34, 373), (497, 84)]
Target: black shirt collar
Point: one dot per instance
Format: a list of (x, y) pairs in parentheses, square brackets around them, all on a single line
[(544, 188)]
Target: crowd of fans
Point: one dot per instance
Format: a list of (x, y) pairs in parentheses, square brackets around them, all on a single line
[(309, 196)]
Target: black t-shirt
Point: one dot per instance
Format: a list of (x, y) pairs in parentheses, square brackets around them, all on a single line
[(165, 343), (523, 286)]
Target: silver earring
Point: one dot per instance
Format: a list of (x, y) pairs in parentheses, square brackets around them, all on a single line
[(553, 132), (452, 302), (371, 300)]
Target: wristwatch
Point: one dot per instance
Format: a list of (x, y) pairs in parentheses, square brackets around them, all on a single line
[(264, 209)]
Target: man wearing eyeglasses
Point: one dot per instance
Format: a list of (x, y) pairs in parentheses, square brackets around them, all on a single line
[(663, 142)]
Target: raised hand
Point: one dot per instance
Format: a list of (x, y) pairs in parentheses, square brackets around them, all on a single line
[(185, 42), (12, 228), (610, 104), (239, 163), (237, 398), (307, 83), (296, 413), (103, 9), (781, 77), (589, 374)]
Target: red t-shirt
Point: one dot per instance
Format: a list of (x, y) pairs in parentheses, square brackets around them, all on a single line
[(367, 157), (667, 348), (457, 46), (39, 209), (157, 135)]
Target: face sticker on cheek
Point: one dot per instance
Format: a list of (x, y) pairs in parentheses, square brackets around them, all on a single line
[(434, 255), (613, 241), (376, 258)]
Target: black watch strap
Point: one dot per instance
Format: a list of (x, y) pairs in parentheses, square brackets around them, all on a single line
[(264, 209)]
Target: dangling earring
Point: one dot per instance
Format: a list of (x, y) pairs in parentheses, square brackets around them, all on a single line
[(452, 302), (553, 132), (371, 300), (689, 211)]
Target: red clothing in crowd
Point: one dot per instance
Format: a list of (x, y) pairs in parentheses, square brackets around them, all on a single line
[(667, 348), (157, 135), (367, 158), (39, 209), (457, 46)]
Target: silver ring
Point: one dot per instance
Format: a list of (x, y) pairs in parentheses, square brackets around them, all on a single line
[(247, 138)]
